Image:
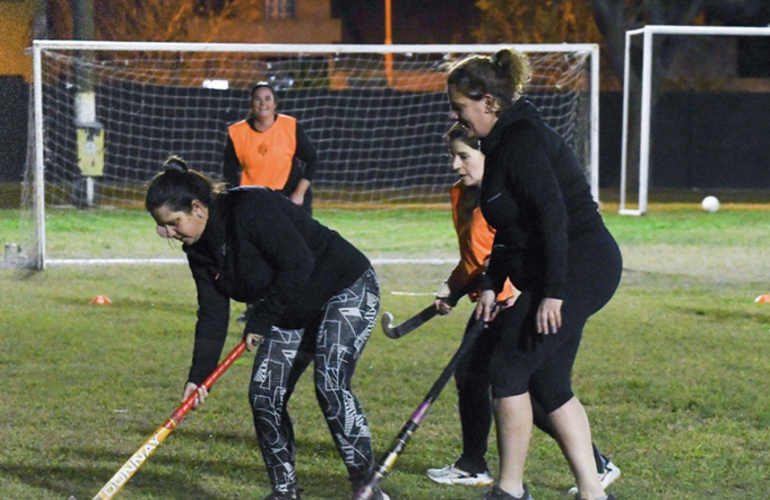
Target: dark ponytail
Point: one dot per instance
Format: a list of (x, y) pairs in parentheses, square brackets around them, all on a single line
[(515, 66), (503, 75), (177, 186), (176, 164)]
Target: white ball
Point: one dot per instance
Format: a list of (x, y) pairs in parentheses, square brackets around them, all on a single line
[(710, 204)]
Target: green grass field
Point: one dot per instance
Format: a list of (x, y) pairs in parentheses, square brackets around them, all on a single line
[(673, 372)]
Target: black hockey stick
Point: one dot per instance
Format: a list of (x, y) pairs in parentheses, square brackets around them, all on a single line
[(409, 325), (397, 446)]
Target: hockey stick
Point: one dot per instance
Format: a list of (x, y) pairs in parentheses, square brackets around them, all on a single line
[(128, 469), (397, 446), (409, 325)]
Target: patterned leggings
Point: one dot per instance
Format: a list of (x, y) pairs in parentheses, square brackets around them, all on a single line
[(334, 343)]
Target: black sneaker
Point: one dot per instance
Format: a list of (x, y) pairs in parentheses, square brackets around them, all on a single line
[(294, 495), (611, 496), (498, 494)]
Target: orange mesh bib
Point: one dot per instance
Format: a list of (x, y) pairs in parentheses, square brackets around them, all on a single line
[(265, 157)]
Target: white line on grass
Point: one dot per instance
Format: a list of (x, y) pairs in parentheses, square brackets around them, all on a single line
[(89, 262)]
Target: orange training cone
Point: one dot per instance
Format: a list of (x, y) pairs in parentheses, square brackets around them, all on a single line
[(763, 299), (101, 300)]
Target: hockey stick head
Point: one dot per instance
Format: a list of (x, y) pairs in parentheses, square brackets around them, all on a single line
[(387, 325), (409, 325)]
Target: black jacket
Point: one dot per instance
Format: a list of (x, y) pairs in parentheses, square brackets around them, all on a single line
[(536, 196), (260, 248)]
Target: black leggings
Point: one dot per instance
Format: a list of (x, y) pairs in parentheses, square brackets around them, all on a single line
[(334, 345), (525, 361), (475, 405)]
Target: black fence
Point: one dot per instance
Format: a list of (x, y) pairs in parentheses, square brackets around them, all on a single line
[(14, 100), (145, 124), (701, 140)]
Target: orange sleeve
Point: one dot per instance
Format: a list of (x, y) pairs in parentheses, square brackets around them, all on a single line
[(475, 238)]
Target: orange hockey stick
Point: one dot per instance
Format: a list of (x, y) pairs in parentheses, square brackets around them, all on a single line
[(116, 483)]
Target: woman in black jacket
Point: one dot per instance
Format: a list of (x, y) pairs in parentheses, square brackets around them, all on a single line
[(552, 244), (316, 300)]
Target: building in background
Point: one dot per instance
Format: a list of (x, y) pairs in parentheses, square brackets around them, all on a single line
[(300, 21), (16, 28), (16, 25)]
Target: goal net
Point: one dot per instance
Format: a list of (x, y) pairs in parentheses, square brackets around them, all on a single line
[(676, 135), (107, 114)]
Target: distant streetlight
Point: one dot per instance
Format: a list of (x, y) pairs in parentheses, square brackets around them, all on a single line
[(388, 41)]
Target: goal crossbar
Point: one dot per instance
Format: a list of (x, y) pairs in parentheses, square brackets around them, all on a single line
[(38, 162), (309, 48)]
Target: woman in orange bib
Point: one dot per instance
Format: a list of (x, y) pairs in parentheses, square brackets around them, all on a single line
[(263, 150)]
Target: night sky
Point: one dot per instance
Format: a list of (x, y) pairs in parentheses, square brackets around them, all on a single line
[(451, 21)]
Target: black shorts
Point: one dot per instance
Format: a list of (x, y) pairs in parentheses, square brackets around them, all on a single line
[(524, 360)]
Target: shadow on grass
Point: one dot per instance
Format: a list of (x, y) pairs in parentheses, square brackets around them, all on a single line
[(728, 315), (175, 480), (172, 476), (85, 482)]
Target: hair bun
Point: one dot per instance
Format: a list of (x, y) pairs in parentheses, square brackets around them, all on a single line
[(175, 164)]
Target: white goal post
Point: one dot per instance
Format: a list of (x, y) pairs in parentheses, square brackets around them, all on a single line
[(106, 115), (642, 153)]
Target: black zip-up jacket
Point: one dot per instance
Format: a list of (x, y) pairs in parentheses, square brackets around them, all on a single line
[(260, 248), (536, 197)]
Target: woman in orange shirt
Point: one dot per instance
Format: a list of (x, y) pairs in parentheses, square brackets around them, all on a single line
[(263, 150), (475, 237)]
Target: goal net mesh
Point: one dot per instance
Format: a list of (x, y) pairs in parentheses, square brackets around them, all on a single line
[(377, 126)]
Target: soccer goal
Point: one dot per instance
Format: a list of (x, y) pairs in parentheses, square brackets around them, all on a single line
[(705, 58), (107, 114)]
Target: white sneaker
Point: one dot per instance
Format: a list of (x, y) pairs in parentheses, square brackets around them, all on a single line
[(611, 473), (452, 475)]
